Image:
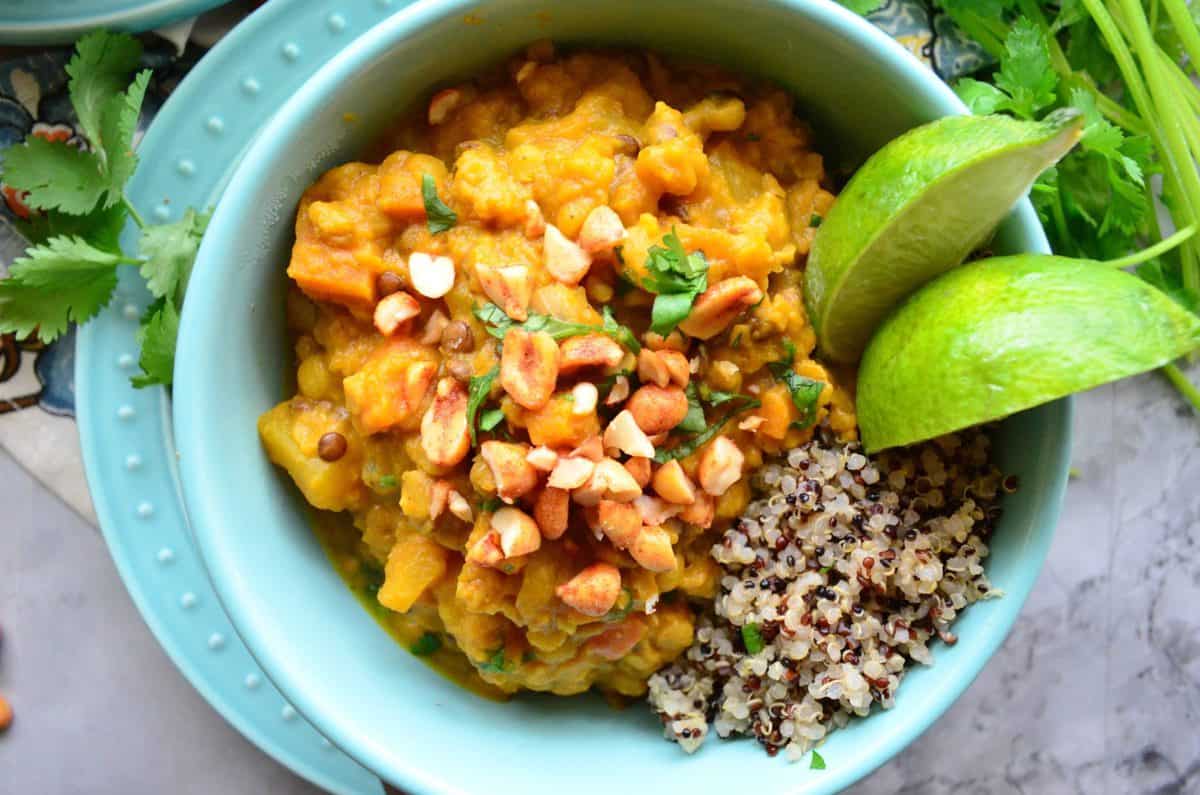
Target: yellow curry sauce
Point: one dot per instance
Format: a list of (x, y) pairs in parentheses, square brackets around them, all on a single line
[(553, 550)]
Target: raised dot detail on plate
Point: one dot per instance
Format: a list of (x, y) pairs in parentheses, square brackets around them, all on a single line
[(250, 86), (186, 167), (215, 125), (126, 413), (125, 361), (162, 212), (336, 23), (288, 712), (145, 510), (252, 681), (291, 51), (133, 462), (216, 641), (131, 312), (187, 601), (166, 555)]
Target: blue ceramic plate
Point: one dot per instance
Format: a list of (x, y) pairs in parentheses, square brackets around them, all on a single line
[(369, 695), (56, 21), (128, 449)]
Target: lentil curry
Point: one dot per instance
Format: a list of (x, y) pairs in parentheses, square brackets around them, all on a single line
[(542, 345)]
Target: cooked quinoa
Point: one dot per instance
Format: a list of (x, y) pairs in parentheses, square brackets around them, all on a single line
[(838, 574)]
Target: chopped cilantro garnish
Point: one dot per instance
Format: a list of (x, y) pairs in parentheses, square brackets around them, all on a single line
[(817, 763), (490, 419), (491, 505), (496, 663), (497, 324), (387, 482), (737, 405), (815, 220), (426, 645), (752, 637), (805, 391), (677, 277), (478, 389), (438, 217), (693, 421)]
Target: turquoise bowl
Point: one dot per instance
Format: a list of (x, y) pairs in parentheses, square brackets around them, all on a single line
[(325, 653)]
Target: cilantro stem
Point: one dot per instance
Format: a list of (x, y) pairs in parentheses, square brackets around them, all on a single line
[(1182, 384), (1185, 28), (133, 213), (1161, 247)]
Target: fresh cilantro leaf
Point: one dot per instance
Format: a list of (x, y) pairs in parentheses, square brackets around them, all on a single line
[(157, 336), (55, 175), (752, 637), (979, 97), (426, 645), (387, 482), (496, 663), (478, 389), (169, 251), (1025, 72), (63, 280), (497, 324), (490, 419), (689, 446), (676, 277), (99, 71), (817, 763), (815, 220), (118, 125), (438, 217), (101, 227), (805, 391), (693, 421), (622, 608), (491, 505)]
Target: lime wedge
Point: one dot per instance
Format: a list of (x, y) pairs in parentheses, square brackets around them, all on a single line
[(917, 208), (1001, 335)]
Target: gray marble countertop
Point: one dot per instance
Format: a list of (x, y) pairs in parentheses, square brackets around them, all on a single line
[(1097, 690)]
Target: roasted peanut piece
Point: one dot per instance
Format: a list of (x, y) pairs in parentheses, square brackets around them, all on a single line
[(657, 409), (529, 367), (620, 522), (652, 369), (640, 469), (442, 104), (435, 326), (720, 466), (602, 230), (675, 341), (752, 423), (509, 287), (619, 391), (624, 434), (393, 311), (439, 496), (618, 484), (592, 591), (678, 367), (673, 485), (519, 534), (535, 222), (591, 449), (652, 550), (432, 277), (513, 475), (445, 436), (584, 398), (459, 507), (486, 551), (571, 473), (551, 510), (588, 351), (565, 261), (542, 459), (654, 511), (701, 512), (716, 307)]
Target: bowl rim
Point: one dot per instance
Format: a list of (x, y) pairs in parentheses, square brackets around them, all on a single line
[(234, 203)]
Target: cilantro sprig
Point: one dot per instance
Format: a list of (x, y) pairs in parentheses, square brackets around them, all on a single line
[(478, 390), (69, 272), (438, 215), (676, 277), (805, 391), (497, 324)]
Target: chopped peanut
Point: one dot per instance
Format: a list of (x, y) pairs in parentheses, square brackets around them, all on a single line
[(602, 230), (435, 326), (616, 642), (752, 423), (592, 591), (620, 522), (654, 511), (445, 436), (588, 351), (486, 551), (439, 496), (639, 467), (619, 485), (535, 222), (460, 508), (652, 550), (551, 510), (591, 448), (432, 277), (571, 473), (701, 512), (509, 287), (542, 459), (442, 104), (519, 534), (565, 261), (624, 434), (619, 391), (657, 409), (720, 466), (585, 396), (393, 311), (675, 341), (678, 367), (652, 369), (716, 307), (513, 475), (529, 367), (673, 485)]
